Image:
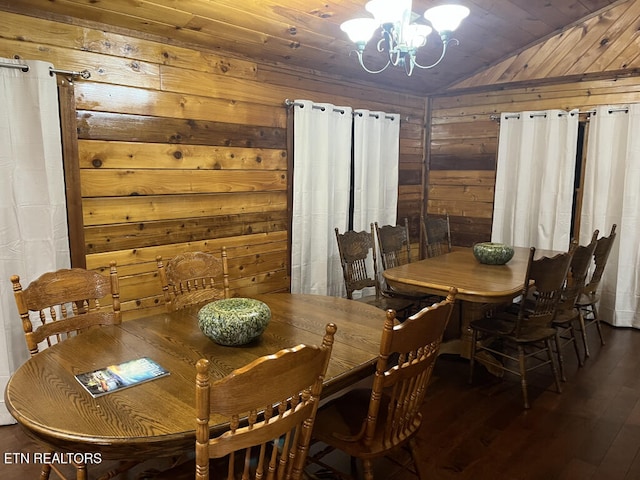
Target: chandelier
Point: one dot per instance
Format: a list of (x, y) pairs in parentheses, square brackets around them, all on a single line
[(399, 37)]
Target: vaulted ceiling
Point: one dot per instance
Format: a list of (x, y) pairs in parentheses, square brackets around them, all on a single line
[(306, 35)]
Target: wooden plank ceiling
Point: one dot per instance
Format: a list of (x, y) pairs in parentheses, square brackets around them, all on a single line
[(305, 34)]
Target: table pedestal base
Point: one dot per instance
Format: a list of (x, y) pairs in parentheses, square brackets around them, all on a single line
[(468, 312)]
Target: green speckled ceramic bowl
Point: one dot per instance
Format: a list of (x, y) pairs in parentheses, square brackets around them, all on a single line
[(234, 321), (491, 253)]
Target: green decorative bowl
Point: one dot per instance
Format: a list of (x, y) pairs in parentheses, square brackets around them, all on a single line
[(234, 321), (491, 253)]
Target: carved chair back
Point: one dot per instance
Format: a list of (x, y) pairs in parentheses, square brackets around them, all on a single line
[(544, 284), (436, 232), (193, 277), (270, 405), (66, 302), (357, 250), (600, 256), (395, 246)]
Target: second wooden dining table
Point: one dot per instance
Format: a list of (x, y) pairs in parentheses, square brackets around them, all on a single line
[(158, 417), (480, 286)]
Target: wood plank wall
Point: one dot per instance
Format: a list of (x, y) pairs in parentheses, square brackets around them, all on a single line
[(182, 149), (464, 141)]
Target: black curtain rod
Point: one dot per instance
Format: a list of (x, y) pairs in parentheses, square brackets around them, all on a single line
[(25, 68), (291, 103)]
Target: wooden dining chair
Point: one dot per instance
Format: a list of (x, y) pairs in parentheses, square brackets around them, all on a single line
[(567, 311), (529, 333), (193, 277), (436, 233), (394, 243), (395, 250), (588, 300), (269, 406), (65, 303), (372, 423), (356, 250)]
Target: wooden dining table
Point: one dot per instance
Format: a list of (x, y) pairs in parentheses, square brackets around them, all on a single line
[(480, 287), (158, 418)]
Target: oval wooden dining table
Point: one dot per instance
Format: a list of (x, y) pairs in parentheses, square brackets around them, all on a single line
[(480, 287), (158, 417)]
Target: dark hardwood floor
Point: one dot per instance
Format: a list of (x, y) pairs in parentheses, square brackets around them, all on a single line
[(481, 432)]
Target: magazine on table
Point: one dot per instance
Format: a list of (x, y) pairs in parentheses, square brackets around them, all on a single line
[(116, 377)]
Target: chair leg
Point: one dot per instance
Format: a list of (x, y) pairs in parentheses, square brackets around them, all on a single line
[(597, 320), (415, 455), (474, 339), (81, 472), (583, 329), (554, 370), (523, 376), (560, 357), (353, 465), (574, 340), (45, 472), (368, 469)]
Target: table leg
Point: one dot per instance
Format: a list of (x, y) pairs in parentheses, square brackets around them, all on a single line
[(468, 312)]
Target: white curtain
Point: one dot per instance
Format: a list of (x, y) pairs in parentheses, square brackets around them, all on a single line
[(376, 151), (534, 179), (33, 221), (612, 195), (321, 178)]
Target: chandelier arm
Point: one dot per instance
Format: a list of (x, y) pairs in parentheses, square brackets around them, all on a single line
[(359, 53), (445, 44), (408, 66)]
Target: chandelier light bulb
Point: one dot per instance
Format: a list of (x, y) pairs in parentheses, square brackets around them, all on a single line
[(360, 30), (446, 18), (399, 37)]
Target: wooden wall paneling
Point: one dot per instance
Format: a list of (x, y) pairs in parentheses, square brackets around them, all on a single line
[(569, 93), (108, 210), (237, 246), (138, 101), (590, 46), (461, 159), (462, 177), (141, 128), (613, 32), (466, 230), (117, 70), (252, 258), (290, 165), (425, 176), (118, 155), (109, 43), (121, 182), (461, 192), (460, 208), (104, 238), (66, 99), (311, 86), (180, 148)]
